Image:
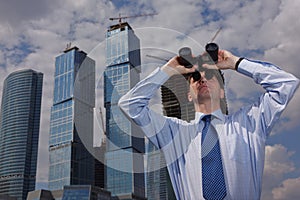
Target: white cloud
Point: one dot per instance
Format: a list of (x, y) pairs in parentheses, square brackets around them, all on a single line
[(264, 25), (14, 11), (288, 190), (8, 37), (277, 161), (277, 164)]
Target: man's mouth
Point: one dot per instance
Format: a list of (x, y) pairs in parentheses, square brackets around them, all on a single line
[(202, 87)]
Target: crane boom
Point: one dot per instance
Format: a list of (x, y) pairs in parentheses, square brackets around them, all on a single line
[(133, 16), (219, 30), (157, 57)]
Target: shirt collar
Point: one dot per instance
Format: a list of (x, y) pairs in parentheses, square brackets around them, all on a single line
[(216, 114)]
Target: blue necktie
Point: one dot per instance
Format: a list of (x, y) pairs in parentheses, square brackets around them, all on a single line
[(213, 182)]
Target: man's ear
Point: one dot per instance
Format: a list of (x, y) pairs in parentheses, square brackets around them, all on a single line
[(222, 94), (190, 98)]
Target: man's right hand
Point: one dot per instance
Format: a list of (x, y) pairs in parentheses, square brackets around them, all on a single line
[(226, 60), (173, 67)]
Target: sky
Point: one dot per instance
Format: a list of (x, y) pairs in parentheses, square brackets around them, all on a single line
[(34, 32)]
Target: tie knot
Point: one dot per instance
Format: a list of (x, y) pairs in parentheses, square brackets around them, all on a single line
[(207, 118)]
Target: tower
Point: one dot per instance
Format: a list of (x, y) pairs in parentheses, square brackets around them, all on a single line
[(125, 141), (174, 99), (19, 132), (71, 122)]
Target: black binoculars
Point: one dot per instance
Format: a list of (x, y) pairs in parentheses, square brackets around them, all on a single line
[(210, 57)]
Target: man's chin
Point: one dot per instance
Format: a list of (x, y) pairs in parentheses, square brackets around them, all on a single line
[(204, 96)]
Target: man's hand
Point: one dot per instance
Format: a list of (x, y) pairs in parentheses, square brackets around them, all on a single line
[(173, 67), (226, 60)]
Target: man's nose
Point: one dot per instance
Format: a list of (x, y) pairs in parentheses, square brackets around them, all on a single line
[(203, 78)]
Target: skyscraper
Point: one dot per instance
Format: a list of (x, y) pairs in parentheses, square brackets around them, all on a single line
[(174, 99), (125, 141), (85, 192), (71, 123), (19, 132), (158, 182)]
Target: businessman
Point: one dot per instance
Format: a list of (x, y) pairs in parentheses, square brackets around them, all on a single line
[(215, 156)]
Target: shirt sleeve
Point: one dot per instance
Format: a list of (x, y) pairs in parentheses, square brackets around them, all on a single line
[(160, 130), (280, 87)]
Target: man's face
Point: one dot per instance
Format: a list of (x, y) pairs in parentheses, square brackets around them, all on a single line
[(207, 88)]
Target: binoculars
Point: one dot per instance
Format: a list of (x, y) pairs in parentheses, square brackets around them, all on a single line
[(209, 57)]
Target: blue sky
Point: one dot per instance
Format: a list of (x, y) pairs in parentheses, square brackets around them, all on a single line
[(34, 32)]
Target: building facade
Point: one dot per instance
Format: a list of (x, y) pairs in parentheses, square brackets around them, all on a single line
[(71, 122), (125, 141), (158, 182), (19, 132), (174, 99), (71, 192), (85, 192)]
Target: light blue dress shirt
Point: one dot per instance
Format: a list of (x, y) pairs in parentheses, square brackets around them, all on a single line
[(242, 135)]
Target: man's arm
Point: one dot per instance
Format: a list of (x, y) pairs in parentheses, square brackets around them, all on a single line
[(280, 87), (159, 129)]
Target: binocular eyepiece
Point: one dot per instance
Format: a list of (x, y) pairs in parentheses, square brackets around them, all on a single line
[(210, 57)]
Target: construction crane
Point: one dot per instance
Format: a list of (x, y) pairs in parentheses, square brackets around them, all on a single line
[(219, 30), (133, 16)]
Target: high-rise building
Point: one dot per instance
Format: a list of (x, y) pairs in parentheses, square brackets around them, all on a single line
[(174, 99), (125, 141), (71, 123), (70, 192), (158, 182), (19, 132), (86, 192)]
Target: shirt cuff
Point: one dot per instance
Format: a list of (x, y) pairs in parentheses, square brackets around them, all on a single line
[(247, 67)]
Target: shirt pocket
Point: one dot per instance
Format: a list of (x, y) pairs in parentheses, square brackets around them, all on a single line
[(238, 148)]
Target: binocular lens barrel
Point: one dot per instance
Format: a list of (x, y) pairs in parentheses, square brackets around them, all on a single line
[(185, 51), (185, 57), (212, 49)]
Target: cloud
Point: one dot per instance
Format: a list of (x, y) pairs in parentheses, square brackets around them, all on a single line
[(288, 190), (46, 33), (14, 11), (277, 164), (263, 30), (277, 161)]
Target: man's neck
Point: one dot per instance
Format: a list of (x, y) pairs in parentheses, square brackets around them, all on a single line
[(206, 107)]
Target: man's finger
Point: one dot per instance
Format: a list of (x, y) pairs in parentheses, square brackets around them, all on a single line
[(207, 66)]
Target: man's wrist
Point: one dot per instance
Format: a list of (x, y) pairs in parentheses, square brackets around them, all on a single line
[(237, 63), (168, 70)]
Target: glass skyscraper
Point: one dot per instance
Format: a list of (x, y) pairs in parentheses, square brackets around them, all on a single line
[(174, 99), (125, 141), (70, 161), (159, 185), (19, 132), (85, 192)]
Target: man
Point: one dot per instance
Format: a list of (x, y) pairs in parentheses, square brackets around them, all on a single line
[(216, 156)]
